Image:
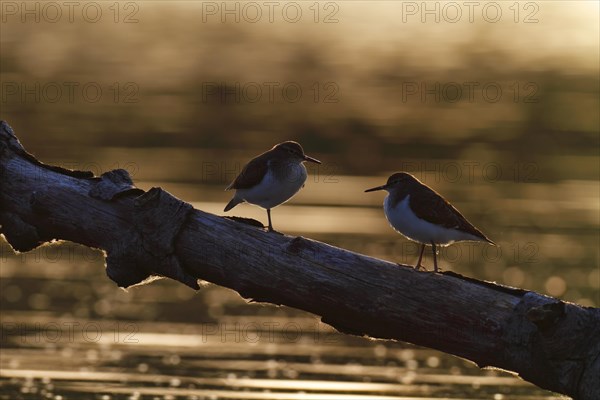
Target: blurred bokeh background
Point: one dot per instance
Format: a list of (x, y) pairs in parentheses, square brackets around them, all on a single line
[(494, 104)]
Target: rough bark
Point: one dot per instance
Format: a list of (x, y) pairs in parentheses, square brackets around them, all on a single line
[(551, 343)]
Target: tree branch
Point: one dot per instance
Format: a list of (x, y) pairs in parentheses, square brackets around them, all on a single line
[(546, 341)]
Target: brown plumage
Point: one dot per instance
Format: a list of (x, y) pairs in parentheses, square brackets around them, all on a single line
[(429, 205), (424, 216), (271, 178), (252, 173)]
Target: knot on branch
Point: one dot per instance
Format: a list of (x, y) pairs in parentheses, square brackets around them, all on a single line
[(547, 315), (112, 184), (520, 333), (297, 244), (158, 218)]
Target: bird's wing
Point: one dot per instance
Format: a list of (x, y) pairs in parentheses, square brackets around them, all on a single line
[(433, 208), (251, 174)]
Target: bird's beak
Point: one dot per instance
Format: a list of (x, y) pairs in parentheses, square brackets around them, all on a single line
[(382, 187), (307, 158)]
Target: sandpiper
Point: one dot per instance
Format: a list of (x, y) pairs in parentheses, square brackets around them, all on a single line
[(271, 178), (423, 216)]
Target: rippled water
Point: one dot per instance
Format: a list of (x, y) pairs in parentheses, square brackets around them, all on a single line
[(257, 357)]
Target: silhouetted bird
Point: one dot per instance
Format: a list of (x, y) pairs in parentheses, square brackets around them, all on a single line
[(423, 216), (271, 178)]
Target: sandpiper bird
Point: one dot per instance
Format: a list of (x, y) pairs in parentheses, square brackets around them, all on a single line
[(423, 216), (271, 178)]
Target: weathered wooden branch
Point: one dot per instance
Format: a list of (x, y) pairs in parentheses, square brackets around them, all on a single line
[(554, 344)]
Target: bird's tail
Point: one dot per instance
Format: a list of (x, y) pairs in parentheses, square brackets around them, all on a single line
[(486, 239), (234, 202)]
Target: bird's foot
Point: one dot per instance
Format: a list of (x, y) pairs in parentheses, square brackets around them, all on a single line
[(419, 267), (271, 230)]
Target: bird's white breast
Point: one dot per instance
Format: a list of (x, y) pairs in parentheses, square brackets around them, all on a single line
[(404, 220), (276, 189)]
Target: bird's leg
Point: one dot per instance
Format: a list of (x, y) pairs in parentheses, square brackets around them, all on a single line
[(419, 266), (435, 267), (269, 215)]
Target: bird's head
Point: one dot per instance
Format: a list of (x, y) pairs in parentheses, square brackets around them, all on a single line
[(396, 180), (293, 150)]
